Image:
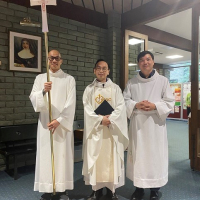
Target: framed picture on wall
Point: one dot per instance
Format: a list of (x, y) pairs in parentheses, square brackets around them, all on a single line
[(24, 52)]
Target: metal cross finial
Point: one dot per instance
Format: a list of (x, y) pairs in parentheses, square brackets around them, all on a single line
[(43, 4)]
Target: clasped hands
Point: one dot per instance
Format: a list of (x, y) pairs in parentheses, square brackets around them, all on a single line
[(105, 121), (145, 105)]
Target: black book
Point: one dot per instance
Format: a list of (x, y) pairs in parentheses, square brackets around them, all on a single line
[(104, 109)]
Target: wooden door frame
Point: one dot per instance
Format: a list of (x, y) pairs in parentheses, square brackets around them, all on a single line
[(195, 111), (126, 35)]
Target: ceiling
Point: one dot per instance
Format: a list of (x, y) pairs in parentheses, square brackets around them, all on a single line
[(178, 24), (121, 6), (161, 51)]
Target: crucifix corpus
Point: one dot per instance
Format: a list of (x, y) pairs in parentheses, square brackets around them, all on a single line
[(43, 4)]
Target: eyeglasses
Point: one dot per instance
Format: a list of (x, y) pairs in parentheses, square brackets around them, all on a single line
[(104, 69), (57, 58)]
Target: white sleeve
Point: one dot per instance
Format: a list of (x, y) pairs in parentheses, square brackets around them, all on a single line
[(38, 101), (130, 104), (66, 117), (165, 106), (92, 121), (118, 119)]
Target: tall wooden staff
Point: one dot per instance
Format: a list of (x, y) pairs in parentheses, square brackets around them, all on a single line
[(43, 4)]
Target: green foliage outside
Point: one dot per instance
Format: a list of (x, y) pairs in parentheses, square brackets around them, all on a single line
[(179, 74)]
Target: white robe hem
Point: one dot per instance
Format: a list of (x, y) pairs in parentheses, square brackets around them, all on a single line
[(150, 183), (48, 187)]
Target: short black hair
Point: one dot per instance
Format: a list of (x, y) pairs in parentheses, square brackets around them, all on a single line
[(99, 60), (143, 53)]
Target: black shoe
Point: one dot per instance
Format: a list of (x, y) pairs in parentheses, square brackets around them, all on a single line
[(96, 195), (138, 194), (114, 196), (59, 196), (62, 195), (46, 196), (154, 195), (111, 195)]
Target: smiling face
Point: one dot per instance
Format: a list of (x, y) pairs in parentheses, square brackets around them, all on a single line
[(55, 60), (146, 64), (101, 71)]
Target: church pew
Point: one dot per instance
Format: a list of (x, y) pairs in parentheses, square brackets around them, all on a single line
[(18, 146)]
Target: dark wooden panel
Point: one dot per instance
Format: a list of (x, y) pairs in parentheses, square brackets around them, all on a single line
[(197, 163), (70, 11), (152, 11), (198, 118), (194, 87)]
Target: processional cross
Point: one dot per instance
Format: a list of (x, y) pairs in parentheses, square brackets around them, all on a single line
[(43, 4)]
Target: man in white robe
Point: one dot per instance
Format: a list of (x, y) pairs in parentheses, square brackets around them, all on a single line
[(105, 137), (63, 98), (149, 100)]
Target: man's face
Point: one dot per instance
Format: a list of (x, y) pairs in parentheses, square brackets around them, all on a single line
[(101, 71), (55, 60), (146, 64)]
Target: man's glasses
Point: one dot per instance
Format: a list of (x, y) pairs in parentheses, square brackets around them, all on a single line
[(57, 58), (104, 69)]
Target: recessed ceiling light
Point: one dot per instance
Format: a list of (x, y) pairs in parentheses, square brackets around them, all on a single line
[(132, 64), (134, 41), (174, 56)]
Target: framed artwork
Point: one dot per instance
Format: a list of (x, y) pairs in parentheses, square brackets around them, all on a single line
[(24, 52)]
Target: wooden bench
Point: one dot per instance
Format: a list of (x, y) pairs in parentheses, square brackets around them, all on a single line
[(18, 145)]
